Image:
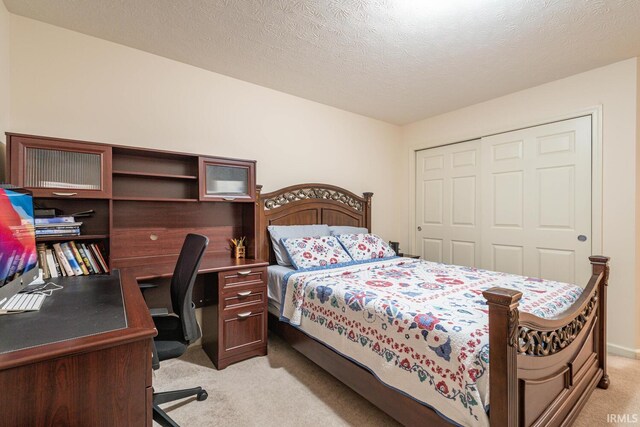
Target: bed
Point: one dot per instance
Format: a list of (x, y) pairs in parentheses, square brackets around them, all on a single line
[(544, 366)]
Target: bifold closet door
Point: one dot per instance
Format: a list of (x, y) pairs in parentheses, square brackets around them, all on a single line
[(447, 203), (536, 192), (518, 202)]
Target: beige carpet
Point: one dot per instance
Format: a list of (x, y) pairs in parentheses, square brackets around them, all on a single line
[(286, 389)]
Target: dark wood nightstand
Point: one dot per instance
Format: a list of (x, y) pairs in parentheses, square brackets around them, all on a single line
[(237, 324), (410, 256)]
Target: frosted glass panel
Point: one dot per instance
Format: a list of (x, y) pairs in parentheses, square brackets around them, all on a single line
[(227, 180), (62, 169)]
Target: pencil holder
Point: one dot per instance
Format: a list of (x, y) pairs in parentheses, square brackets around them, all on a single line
[(239, 250)]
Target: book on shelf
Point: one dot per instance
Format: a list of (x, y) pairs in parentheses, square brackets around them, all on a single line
[(54, 220), (42, 259), (85, 259), (88, 258), (98, 255), (78, 258), (58, 232), (62, 260), (68, 253), (51, 265), (59, 229), (71, 259), (59, 226)]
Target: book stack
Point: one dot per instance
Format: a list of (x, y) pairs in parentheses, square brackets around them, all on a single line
[(59, 226), (71, 259)]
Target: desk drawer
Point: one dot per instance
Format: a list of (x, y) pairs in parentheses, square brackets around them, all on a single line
[(243, 330), (242, 276), (244, 297)]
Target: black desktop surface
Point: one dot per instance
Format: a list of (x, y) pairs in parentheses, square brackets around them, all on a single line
[(87, 305)]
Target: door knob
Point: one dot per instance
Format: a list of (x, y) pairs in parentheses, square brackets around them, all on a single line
[(582, 238), (419, 228)]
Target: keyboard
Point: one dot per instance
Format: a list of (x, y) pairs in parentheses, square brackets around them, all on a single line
[(23, 302)]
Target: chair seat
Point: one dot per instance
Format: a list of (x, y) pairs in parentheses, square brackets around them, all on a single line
[(170, 349), (170, 340)]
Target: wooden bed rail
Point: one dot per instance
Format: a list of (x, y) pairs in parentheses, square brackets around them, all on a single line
[(519, 343)]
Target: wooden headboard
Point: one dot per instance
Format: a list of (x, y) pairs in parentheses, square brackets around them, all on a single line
[(306, 204)]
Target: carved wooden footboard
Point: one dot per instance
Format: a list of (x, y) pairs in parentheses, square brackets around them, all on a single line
[(543, 370)]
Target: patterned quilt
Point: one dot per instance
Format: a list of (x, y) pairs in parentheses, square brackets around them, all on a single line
[(419, 327)]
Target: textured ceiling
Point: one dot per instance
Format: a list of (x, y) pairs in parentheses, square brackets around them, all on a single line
[(395, 60)]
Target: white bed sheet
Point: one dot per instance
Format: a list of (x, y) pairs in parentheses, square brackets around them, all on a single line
[(275, 274)]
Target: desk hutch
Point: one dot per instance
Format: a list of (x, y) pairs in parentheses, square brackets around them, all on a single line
[(145, 201)]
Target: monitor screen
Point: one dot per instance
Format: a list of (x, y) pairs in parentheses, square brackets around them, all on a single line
[(18, 255)]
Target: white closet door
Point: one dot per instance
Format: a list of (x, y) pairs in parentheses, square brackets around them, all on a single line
[(447, 203), (536, 192)]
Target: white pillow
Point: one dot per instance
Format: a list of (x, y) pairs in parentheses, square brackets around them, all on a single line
[(336, 230), (279, 232)]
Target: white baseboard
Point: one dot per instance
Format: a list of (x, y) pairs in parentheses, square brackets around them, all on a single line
[(619, 350)]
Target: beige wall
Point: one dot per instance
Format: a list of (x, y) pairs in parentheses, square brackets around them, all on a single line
[(4, 81), (615, 88), (71, 85)]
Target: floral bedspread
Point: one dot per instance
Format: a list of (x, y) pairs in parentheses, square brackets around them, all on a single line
[(420, 327)]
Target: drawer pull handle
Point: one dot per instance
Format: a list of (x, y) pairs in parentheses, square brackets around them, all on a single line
[(244, 293), (244, 315), (244, 273), (153, 237), (56, 193), (230, 199)]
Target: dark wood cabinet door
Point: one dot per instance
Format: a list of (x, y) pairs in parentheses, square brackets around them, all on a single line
[(57, 168), (244, 329), (227, 180)]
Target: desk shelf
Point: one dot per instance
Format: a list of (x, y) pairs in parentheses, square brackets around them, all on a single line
[(43, 239), (154, 175), (154, 199)]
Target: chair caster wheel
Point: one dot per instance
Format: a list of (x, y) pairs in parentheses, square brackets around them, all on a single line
[(202, 396)]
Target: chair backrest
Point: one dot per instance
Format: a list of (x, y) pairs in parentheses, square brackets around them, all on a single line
[(184, 276)]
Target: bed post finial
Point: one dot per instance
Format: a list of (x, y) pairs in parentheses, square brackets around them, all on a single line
[(503, 336), (367, 217), (600, 265)]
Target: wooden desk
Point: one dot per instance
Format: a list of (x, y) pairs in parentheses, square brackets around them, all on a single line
[(234, 315), (105, 379), (101, 379)]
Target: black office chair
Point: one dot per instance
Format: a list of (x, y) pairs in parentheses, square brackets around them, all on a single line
[(176, 331)]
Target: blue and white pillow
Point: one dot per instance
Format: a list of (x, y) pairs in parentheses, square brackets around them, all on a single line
[(365, 246), (308, 252), (279, 232)]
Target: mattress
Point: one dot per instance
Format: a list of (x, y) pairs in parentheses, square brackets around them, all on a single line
[(275, 275), (419, 327)]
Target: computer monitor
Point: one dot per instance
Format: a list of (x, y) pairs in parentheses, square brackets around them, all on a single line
[(18, 255)]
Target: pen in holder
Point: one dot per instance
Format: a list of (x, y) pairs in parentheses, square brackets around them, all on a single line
[(238, 247)]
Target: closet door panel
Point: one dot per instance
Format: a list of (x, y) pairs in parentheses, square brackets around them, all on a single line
[(537, 188), (448, 204)]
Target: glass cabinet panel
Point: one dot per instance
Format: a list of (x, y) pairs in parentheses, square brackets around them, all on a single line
[(52, 167), (227, 180), (62, 169)]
